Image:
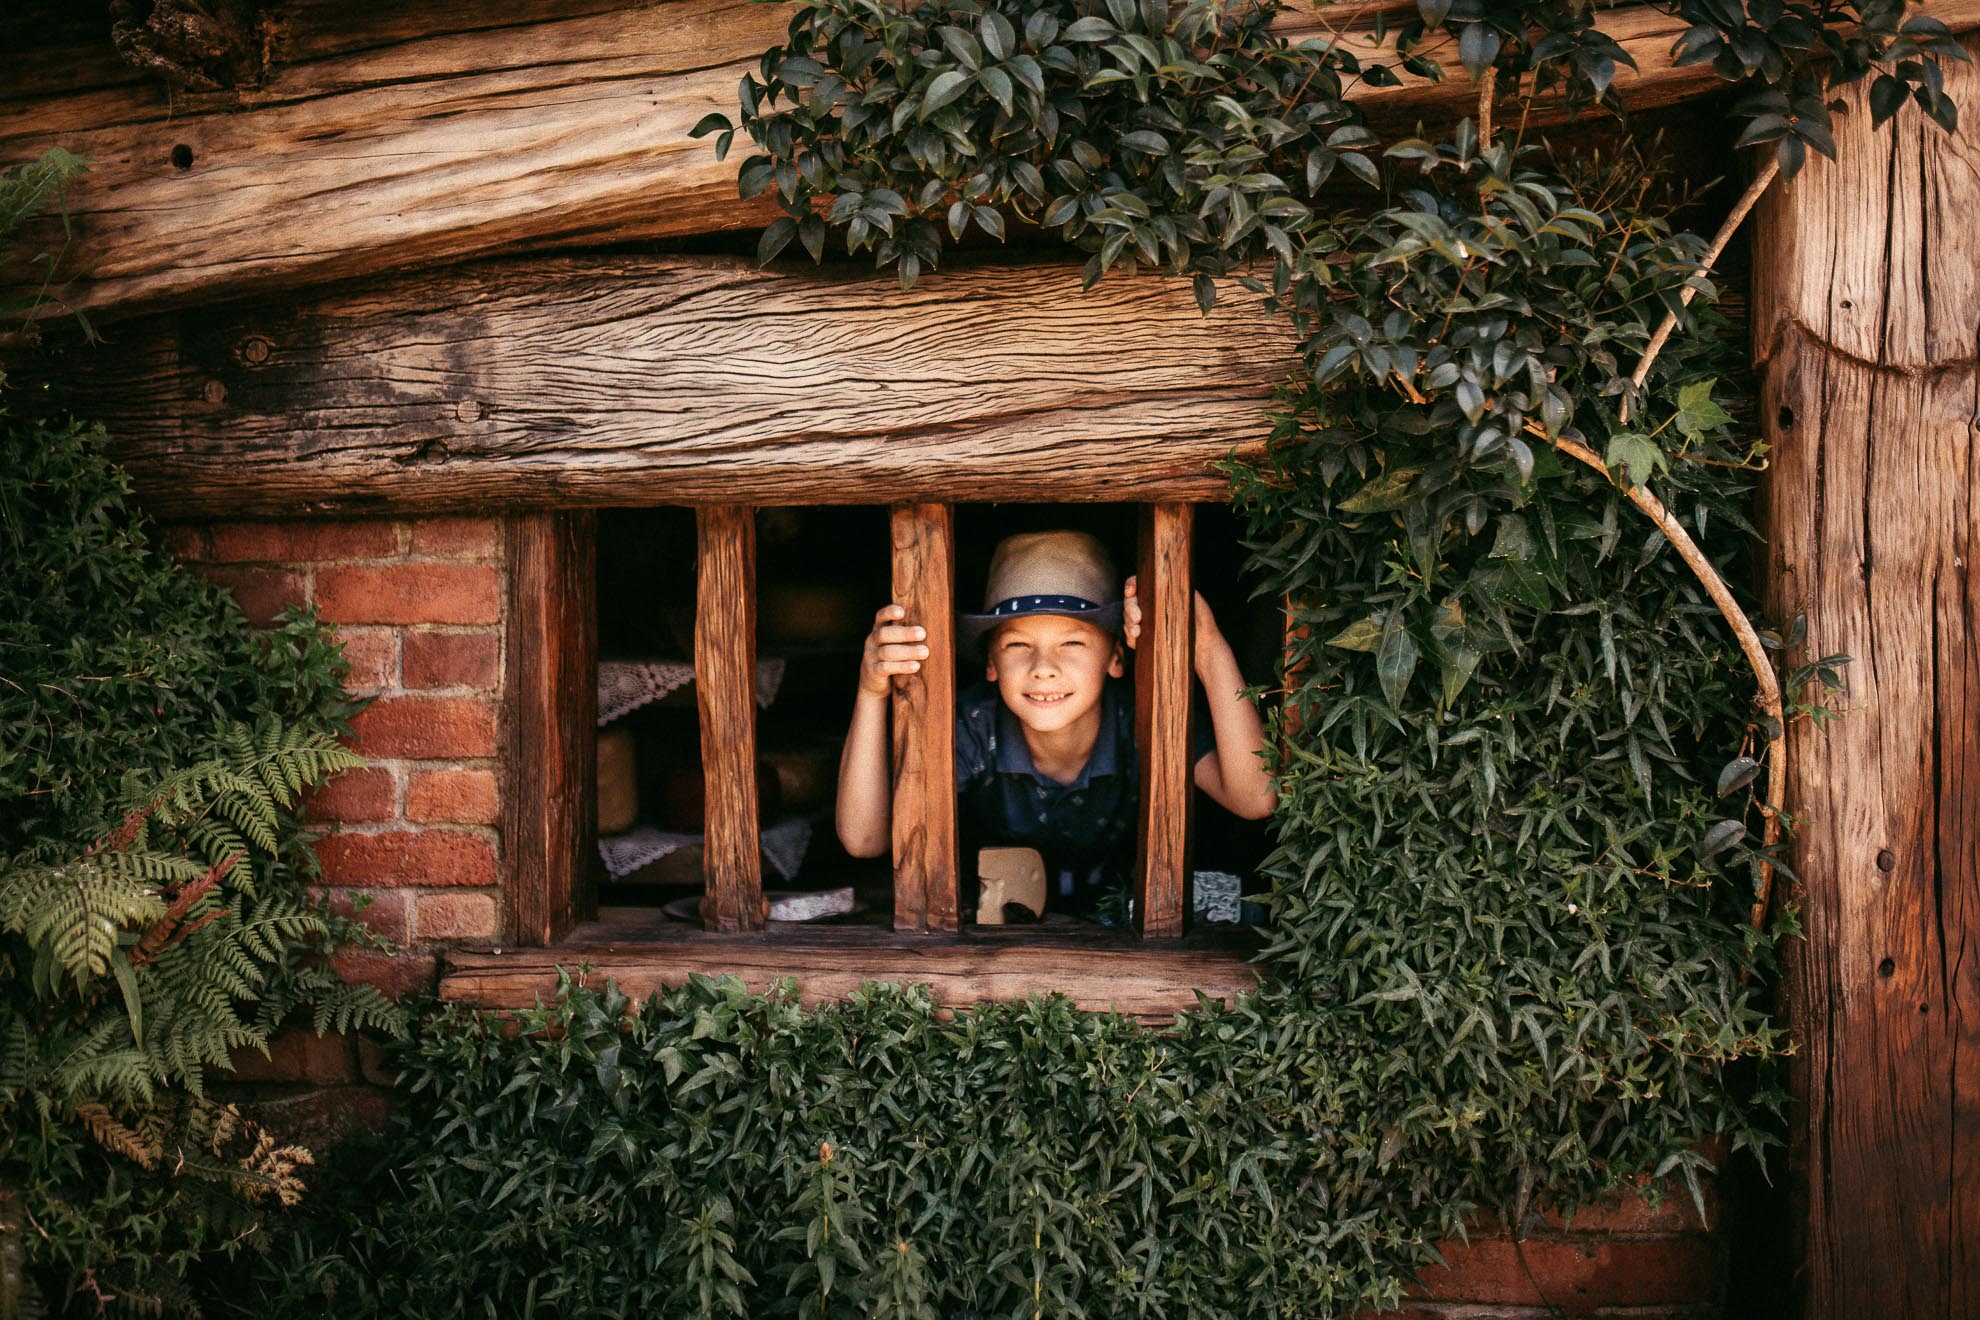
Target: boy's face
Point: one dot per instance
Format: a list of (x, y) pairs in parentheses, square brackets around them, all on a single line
[(1050, 668)]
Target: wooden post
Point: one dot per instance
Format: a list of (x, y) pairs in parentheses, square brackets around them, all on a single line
[(1161, 718), (1866, 304), (926, 866), (550, 794), (725, 679)]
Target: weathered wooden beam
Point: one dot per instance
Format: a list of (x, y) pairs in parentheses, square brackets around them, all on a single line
[(725, 687), (550, 798), (1161, 719), (1866, 299), (1096, 972), (924, 724), (685, 381), (385, 139)]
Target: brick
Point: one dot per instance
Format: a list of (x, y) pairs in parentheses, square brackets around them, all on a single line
[(394, 974), (373, 655), (456, 917), (356, 796), (1632, 1214), (429, 728), (185, 540), (455, 538), (452, 797), (262, 592), (452, 660), (389, 911), (297, 1055), (302, 542), (409, 593), (399, 858), (1577, 1274), (372, 1063)]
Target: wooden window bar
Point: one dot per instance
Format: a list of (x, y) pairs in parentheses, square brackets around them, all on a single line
[(927, 867), (725, 679), (1161, 718)]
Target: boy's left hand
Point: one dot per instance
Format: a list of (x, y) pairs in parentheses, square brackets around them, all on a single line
[(1206, 622)]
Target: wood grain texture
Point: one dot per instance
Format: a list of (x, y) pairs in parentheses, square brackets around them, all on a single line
[(384, 140), (725, 685), (1097, 973), (551, 776), (1162, 676), (617, 381), (924, 724), (1866, 322)]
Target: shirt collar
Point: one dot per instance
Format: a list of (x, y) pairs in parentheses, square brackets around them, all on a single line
[(1012, 755)]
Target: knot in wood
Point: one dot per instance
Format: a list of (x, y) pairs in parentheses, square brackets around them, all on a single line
[(255, 350), (468, 410)]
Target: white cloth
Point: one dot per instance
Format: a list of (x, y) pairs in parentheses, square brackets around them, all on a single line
[(626, 685), (784, 846)]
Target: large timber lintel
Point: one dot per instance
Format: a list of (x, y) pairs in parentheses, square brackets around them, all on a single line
[(388, 138), (569, 382)]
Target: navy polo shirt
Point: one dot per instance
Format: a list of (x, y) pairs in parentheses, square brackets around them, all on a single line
[(1003, 800)]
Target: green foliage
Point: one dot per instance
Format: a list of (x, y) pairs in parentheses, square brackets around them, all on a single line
[(152, 912), (1190, 138), (111, 658)]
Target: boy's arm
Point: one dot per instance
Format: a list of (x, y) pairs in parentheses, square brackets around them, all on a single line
[(865, 810), (1234, 774)]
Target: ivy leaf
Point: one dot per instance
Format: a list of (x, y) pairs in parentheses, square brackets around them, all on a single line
[(1633, 458), (1205, 289), (1433, 11), (1887, 97), (1361, 635), (1696, 413)]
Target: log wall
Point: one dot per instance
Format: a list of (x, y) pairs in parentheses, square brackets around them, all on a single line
[(388, 137), (1866, 323), (564, 382)]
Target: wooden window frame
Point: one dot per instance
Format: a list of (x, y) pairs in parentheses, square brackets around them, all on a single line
[(1152, 972)]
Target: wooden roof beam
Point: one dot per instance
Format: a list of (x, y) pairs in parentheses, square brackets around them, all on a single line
[(383, 141), (567, 382)]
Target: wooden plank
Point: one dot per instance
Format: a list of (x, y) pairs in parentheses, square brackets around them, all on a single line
[(924, 715), (430, 133), (676, 380), (1866, 299), (1154, 984), (725, 683), (1161, 718), (551, 778)]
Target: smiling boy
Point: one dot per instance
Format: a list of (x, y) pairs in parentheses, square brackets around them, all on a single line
[(1045, 754)]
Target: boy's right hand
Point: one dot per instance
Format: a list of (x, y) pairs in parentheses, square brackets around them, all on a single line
[(893, 647)]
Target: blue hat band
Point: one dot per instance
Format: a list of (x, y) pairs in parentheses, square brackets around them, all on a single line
[(1042, 605)]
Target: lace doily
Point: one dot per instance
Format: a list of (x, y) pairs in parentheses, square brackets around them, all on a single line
[(626, 685), (784, 846)]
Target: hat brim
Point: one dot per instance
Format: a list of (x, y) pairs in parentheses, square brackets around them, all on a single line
[(971, 629)]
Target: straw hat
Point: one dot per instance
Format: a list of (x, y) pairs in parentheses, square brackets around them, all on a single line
[(1065, 573)]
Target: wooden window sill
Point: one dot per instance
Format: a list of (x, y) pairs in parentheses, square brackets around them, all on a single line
[(1097, 969)]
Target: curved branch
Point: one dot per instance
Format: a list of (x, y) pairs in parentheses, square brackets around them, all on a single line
[(1741, 209), (1769, 696)]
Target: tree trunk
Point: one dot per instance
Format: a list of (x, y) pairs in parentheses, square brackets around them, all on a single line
[(1866, 312)]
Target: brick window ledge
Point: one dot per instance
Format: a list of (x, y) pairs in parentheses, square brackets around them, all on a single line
[(1097, 969)]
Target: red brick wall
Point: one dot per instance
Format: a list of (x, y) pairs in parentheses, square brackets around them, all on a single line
[(412, 842)]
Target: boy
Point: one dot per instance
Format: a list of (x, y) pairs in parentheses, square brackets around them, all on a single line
[(1045, 754)]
